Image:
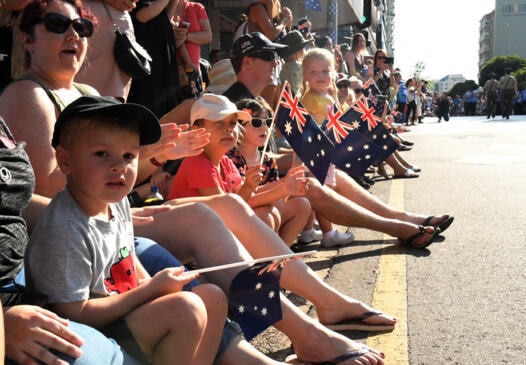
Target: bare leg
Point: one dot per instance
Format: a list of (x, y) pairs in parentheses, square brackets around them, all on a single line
[(260, 241), (175, 327), (348, 188), (295, 214)]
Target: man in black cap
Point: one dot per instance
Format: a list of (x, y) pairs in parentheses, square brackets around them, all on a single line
[(254, 59)]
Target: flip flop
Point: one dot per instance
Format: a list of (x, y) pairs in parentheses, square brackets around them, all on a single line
[(446, 222), (422, 231), (358, 324), (351, 355), (408, 174)]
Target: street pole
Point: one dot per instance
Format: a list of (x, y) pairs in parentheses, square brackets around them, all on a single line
[(332, 20)]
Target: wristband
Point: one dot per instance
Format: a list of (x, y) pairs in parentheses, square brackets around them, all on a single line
[(154, 162), (135, 199)]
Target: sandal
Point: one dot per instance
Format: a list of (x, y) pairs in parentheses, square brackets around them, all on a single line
[(408, 174), (351, 355), (443, 225), (422, 231)]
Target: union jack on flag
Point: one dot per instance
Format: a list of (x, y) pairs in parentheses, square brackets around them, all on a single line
[(363, 117), (353, 152), (303, 134)]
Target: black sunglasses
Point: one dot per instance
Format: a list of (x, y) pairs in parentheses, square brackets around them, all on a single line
[(266, 56), (358, 91), (258, 122), (343, 84), (58, 23)]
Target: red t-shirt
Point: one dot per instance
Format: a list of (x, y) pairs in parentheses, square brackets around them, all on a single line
[(193, 13), (199, 173)]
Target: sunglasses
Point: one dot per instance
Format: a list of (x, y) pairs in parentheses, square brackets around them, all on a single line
[(380, 57), (266, 56), (258, 122), (358, 91), (58, 23), (343, 84)]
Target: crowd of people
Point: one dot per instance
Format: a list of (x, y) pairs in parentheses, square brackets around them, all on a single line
[(82, 144)]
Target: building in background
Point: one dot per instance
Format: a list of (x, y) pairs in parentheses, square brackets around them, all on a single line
[(502, 31), (446, 83)]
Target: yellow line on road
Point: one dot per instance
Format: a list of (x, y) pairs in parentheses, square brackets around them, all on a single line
[(390, 294)]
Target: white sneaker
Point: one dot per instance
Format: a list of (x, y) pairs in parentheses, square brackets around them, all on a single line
[(339, 239), (309, 236)]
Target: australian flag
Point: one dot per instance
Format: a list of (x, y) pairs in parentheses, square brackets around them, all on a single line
[(365, 121), (303, 134), (353, 152), (312, 5), (254, 297)]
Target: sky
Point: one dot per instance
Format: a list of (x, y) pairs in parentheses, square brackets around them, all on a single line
[(444, 34)]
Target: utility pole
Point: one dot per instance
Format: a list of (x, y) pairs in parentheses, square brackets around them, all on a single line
[(332, 20)]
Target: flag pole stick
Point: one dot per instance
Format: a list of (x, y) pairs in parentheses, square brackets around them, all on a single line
[(254, 261), (271, 126)]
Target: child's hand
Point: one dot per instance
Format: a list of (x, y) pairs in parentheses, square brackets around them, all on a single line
[(171, 280), (253, 177), (295, 182)]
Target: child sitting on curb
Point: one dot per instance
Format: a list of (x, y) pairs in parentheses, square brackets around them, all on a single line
[(86, 235)]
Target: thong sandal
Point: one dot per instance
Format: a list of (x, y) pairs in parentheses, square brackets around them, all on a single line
[(358, 324), (422, 231), (446, 222), (351, 355)]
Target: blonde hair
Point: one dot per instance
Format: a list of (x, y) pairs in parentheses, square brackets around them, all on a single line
[(316, 54)]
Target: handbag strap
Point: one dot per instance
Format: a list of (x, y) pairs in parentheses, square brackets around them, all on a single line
[(115, 26)]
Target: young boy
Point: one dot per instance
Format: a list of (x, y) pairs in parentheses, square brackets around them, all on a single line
[(86, 236)]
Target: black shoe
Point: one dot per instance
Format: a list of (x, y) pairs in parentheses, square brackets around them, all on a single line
[(407, 143), (360, 180), (487, 117), (404, 148)]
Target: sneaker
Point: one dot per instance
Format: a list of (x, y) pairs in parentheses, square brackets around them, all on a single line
[(339, 239), (309, 236)]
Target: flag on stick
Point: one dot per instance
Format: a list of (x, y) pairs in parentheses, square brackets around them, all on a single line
[(303, 134), (353, 152), (254, 298)]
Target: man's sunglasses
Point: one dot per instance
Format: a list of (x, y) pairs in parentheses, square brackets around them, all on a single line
[(58, 23), (266, 56), (258, 122)]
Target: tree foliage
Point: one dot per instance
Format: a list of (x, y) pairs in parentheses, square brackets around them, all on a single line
[(461, 88), (500, 63)]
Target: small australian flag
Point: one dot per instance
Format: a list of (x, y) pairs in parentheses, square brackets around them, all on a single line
[(303, 134)]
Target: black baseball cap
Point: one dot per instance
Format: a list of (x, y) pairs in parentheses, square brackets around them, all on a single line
[(107, 106), (254, 42)]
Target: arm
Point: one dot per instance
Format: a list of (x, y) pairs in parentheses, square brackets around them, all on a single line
[(204, 36), (34, 210), (103, 311), (258, 14), (122, 5), (149, 12), (34, 123)]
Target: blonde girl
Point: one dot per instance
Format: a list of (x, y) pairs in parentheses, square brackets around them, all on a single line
[(318, 97)]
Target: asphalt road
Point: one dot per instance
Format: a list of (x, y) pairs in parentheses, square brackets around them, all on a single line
[(462, 300)]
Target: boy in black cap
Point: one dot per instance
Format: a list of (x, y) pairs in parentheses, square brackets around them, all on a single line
[(86, 235)]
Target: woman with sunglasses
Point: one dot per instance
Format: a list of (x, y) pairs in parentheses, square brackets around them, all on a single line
[(383, 72)]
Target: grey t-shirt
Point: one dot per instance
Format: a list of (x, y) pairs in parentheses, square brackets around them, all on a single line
[(73, 257)]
